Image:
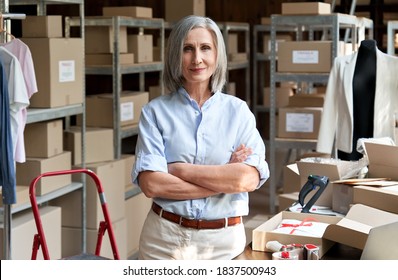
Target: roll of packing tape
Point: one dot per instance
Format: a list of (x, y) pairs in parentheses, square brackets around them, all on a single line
[(285, 255)]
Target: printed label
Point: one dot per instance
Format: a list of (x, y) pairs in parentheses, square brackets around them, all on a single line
[(66, 71), (126, 111), (299, 122), (306, 57)]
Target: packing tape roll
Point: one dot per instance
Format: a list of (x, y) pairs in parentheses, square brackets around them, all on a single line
[(285, 255)]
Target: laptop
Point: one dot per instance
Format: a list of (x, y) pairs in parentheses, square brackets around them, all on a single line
[(382, 243)]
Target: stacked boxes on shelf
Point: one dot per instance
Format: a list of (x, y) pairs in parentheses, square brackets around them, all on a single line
[(58, 62)]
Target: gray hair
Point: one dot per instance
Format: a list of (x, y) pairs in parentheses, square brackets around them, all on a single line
[(172, 76)]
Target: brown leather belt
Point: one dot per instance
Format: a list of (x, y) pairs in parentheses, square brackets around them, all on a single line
[(197, 224)]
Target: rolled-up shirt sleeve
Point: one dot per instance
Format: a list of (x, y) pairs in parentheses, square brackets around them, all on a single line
[(149, 149)]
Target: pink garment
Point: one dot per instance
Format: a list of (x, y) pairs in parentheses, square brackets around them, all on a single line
[(22, 52)]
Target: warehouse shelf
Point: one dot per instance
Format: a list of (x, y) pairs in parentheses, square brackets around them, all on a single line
[(330, 25), (45, 114), (392, 27), (116, 70)]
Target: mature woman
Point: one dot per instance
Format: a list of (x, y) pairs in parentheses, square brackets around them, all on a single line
[(198, 153)]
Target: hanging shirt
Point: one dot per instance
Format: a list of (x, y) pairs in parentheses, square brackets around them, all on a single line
[(17, 92), (7, 167), (22, 52), (173, 128)]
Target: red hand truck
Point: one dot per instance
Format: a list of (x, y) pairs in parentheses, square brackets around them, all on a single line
[(106, 225)]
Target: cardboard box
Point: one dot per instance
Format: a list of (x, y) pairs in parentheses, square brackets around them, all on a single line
[(140, 205), (22, 193), (306, 8), (44, 139), (42, 26), (141, 46), (176, 9), (307, 100), (112, 177), (291, 178), (129, 163), (154, 91), (279, 38), (237, 57), (281, 97), (305, 56), (383, 160), (128, 11), (93, 59), (99, 108), (73, 143), (59, 69), (302, 123), (71, 240), (263, 233), (354, 228), (104, 34), (24, 229), (232, 43), (33, 167), (385, 198), (285, 200), (342, 197)]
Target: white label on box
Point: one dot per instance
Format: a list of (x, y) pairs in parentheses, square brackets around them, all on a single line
[(126, 111), (66, 71), (299, 122), (306, 57)]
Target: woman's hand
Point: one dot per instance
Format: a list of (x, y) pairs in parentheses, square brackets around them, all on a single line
[(241, 153)]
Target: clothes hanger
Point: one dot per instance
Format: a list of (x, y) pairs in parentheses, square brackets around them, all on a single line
[(3, 31)]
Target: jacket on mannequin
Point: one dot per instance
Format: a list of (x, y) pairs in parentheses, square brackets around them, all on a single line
[(337, 123)]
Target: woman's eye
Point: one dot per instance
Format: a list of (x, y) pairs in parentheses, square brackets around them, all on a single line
[(187, 48)]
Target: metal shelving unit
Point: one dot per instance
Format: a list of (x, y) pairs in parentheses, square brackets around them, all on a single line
[(330, 25), (392, 27), (38, 115), (117, 70)]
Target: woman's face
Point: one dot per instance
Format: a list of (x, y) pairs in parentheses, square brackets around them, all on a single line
[(199, 56)]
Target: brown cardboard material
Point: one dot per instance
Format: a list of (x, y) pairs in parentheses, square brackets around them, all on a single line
[(141, 46), (304, 56), (385, 198), (307, 100), (112, 177), (22, 196), (354, 228), (72, 143), (99, 108), (44, 139), (282, 96), (263, 233), (383, 160), (49, 26), (104, 34), (129, 163), (291, 178), (237, 57), (33, 167), (232, 43), (107, 59), (285, 200), (176, 9), (302, 123), (71, 240), (140, 205), (306, 8), (24, 229), (128, 11), (342, 197), (279, 38), (59, 69)]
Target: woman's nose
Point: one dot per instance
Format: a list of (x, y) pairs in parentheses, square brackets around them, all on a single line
[(197, 58)]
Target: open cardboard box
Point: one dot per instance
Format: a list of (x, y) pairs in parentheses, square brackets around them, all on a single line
[(263, 233), (383, 160), (354, 228), (384, 198)]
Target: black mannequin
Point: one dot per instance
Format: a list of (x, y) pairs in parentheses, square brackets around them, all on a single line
[(364, 87)]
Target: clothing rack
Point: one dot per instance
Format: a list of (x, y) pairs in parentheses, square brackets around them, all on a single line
[(7, 220)]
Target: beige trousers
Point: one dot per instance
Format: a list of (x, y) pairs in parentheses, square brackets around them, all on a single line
[(164, 240)]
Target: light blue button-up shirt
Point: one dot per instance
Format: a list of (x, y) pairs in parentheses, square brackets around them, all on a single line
[(173, 128)]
